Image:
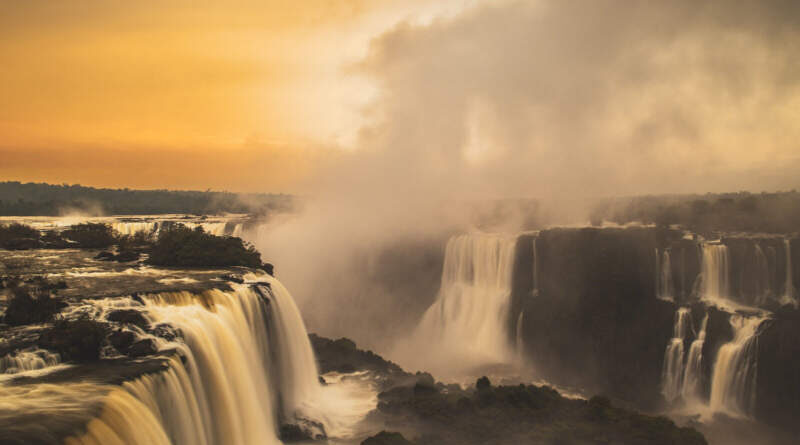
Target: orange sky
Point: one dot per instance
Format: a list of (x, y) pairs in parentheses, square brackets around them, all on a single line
[(512, 97), (243, 96)]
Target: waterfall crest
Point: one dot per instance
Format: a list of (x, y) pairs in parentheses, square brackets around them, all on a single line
[(243, 357), (28, 360)]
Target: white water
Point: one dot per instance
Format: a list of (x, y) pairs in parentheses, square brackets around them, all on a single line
[(664, 284), (467, 325), (244, 363), (672, 375), (535, 269), (217, 228), (763, 287), (788, 292), (28, 360), (714, 273), (694, 362), (734, 376), (132, 228)]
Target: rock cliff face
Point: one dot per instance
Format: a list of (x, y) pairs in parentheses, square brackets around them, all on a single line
[(594, 320), (596, 312)]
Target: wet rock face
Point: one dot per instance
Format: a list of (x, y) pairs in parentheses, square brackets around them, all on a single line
[(778, 380), (129, 316), (75, 340), (596, 321)]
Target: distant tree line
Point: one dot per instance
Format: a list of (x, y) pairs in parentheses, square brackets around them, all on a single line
[(35, 199), (728, 212)]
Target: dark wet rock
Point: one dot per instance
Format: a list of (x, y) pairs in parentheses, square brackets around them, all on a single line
[(75, 340), (293, 433), (233, 278), (166, 332), (778, 380), (506, 415), (142, 348), (342, 356), (386, 438), (268, 268), (129, 316), (22, 244), (25, 307), (121, 340), (302, 429), (105, 255), (125, 256)]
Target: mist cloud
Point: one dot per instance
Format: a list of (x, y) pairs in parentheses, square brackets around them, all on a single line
[(559, 101)]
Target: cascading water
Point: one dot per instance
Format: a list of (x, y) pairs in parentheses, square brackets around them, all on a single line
[(468, 323), (788, 286), (535, 269), (694, 362), (28, 360), (734, 376), (763, 287), (132, 228), (672, 375), (714, 273), (664, 283), (241, 354)]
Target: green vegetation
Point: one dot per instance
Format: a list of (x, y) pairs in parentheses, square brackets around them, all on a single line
[(180, 246), (18, 199), (18, 237), (27, 307), (730, 212), (90, 235)]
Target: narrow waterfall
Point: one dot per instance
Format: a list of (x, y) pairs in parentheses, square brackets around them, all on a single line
[(734, 377), (238, 230), (28, 360), (714, 273), (519, 339), (788, 286), (665, 288), (468, 323), (763, 287), (694, 362), (535, 269), (243, 359), (672, 375)]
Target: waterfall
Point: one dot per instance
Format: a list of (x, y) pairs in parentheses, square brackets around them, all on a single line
[(694, 362), (296, 369), (28, 360), (665, 288), (243, 357), (714, 273), (763, 287), (535, 269), (132, 228), (468, 323), (520, 346), (238, 230), (672, 375), (217, 229), (734, 377), (788, 293)]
